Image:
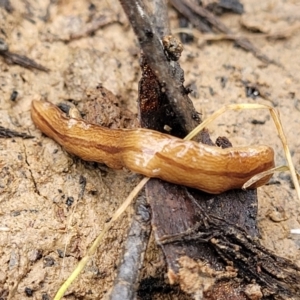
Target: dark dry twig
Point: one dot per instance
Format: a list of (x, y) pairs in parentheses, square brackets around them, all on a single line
[(127, 278), (191, 16), (22, 60), (221, 6), (202, 13), (8, 133)]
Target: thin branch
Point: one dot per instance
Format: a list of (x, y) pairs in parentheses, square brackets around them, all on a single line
[(127, 279)]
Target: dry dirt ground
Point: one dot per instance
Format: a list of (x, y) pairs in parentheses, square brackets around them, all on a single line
[(38, 178)]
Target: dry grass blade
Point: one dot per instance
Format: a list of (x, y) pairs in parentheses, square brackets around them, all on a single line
[(282, 34), (263, 174)]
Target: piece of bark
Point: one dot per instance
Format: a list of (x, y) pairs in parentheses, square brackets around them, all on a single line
[(179, 213), (246, 259)]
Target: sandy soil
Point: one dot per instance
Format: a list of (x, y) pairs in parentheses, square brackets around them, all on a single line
[(38, 179)]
